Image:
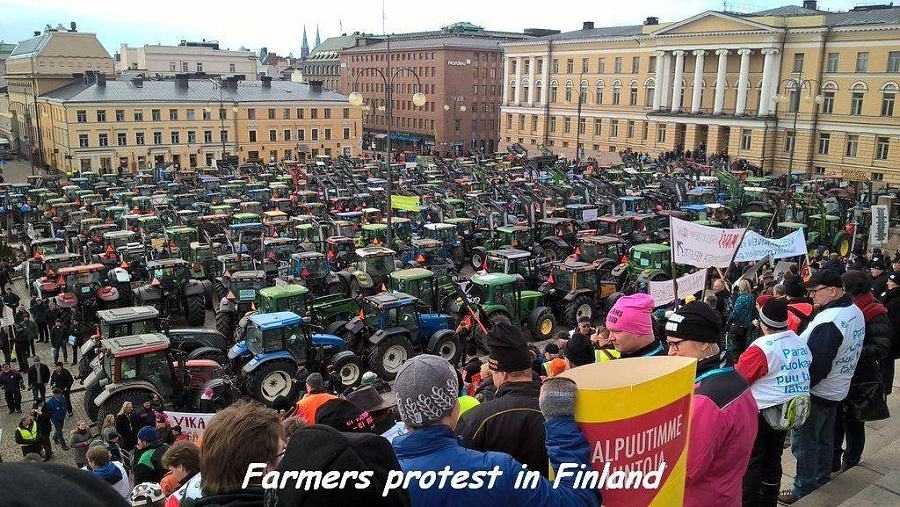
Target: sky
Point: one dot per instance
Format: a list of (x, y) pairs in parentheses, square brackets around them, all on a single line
[(278, 24)]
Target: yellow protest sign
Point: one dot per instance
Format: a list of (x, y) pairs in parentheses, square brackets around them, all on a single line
[(405, 202)]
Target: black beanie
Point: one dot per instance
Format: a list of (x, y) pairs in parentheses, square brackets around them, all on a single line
[(695, 321), (793, 288), (579, 350), (42, 484), (774, 314), (507, 349)]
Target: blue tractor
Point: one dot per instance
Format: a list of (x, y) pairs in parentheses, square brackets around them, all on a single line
[(274, 344), (390, 329)]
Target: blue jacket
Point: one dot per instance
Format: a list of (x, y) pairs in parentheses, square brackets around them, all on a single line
[(56, 408), (436, 447)]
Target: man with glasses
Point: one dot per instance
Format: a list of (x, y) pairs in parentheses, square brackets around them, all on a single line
[(835, 337)]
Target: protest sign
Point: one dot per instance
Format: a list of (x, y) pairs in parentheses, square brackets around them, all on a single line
[(405, 202), (755, 246), (589, 215), (663, 293), (635, 415), (702, 246), (192, 425), (878, 233)]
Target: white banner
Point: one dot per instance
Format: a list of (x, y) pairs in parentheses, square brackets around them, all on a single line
[(878, 232), (755, 246), (702, 246), (664, 293), (192, 425)]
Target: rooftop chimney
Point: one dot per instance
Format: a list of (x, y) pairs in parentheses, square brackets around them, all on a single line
[(73, 27), (267, 81), (588, 25), (315, 86), (138, 82), (651, 20), (810, 4), (181, 81), (101, 79)]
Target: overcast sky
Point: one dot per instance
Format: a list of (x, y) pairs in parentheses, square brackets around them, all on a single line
[(278, 24)]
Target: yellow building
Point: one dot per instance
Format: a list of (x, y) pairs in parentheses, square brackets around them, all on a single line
[(42, 64), (718, 81), (95, 124)]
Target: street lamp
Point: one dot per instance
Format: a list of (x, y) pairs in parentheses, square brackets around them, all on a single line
[(796, 85), (462, 109), (582, 93), (418, 99)]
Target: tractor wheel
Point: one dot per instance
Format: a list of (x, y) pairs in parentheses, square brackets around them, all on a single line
[(273, 379), (842, 245), (90, 408), (477, 258), (349, 367), (225, 324), (458, 255), (113, 404), (551, 252), (541, 323), (335, 288), (211, 353), (195, 310), (579, 307), (335, 327), (389, 355), (447, 346), (219, 290)]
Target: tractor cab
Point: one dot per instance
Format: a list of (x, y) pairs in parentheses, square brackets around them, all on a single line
[(310, 269), (574, 290), (376, 263), (112, 214), (84, 285), (276, 255), (650, 256), (562, 228), (601, 250), (339, 250), (46, 246), (498, 294), (246, 238), (372, 235), (150, 226), (180, 239), (245, 218), (615, 225), (443, 232), (515, 236), (632, 204), (310, 236), (127, 321), (430, 254), (282, 298), (187, 218), (785, 228), (757, 221), (512, 261), (277, 223)]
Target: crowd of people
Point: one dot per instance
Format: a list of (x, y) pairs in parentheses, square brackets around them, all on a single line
[(795, 360)]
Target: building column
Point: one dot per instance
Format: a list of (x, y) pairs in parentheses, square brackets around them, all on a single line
[(518, 95), (532, 62), (657, 91), (765, 96), (720, 81), (666, 81), (545, 79), (676, 81), (697, 97), (506, 80), (741, 105)]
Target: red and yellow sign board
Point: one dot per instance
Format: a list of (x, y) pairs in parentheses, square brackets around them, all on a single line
[(635, 414)]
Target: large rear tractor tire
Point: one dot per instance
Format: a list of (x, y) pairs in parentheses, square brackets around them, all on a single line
[(349, 368), (389, 355), (581, 306), (113, 404), (447, 346), (195, 310), (225, 324), (273, 379)]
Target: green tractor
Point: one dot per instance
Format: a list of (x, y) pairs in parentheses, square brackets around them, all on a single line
[(180, 239), (647, 262), (556, 236), (368, 275), (498, 294), (826, 232), (435, 293), (574, 290), (296, 298), (519, 263), (172, 290), (506, 236), (240, 298), (758, 221)]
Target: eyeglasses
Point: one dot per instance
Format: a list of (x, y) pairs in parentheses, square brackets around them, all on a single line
[(674, 345), (812, 292)]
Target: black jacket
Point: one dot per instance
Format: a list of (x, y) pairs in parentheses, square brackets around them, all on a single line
[(32, 374), (252, 496), (58, 335), (11, 380), (61, 379), (511, 423), (149, 468), (879, 285), (892, 303)]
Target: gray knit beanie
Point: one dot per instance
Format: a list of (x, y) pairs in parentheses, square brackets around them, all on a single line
[(427, 390)]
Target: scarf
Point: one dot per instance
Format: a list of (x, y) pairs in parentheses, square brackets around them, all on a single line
[(869, 306), (109, 473)]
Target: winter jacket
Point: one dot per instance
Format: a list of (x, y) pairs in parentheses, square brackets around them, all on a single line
[(59, 335), (27, 435), (39, 312), (11, 380), (61, 379), (127, 427), (800, 313), (252, 496), (80, 441), (145, 418), (879, 285), (824, 340), (436, 447), (742, 311), (876, 349), (57, 408), (149, 466), (724, 418), (26, 332), (512, 423), (44, 425), (33, 374), (892, 303)]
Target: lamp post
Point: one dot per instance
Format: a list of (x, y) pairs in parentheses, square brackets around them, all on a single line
[(582, 93), (418, 99), (791, 85), (234, 110), (461, 108)]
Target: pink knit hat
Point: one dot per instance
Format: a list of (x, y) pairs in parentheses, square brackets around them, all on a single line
[(631, 314)]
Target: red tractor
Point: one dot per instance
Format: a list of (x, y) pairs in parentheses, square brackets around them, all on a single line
[(87, 288)]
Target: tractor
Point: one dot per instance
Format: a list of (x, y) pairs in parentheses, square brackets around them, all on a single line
[(429, 254), (556, 237), (647, 262), (172, 290), (312, 269), (86, 290), (240, 297), (518, 263), (390, 329), (135, 367), (606, 252), (446, 233), (223, 266), (573, 290), (369, 275), (498, 294), (276, 256), (274, 344), (42, 276), (827, 232), (434, 293)]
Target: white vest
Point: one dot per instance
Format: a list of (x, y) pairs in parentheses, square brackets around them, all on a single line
[(788, 359), (852, 325)]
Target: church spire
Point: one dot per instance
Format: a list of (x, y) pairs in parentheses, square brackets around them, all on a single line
[(318, 40), (304, 47)]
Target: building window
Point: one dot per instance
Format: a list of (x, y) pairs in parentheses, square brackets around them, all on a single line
[(629, 133), (301, 135), (887, 104), (651, 65), (199, 66), (856, 103), (184, 68), (789, 138), (81, 116), (101, 115), (190, 115), (862, 61), (252, 135), (175, 136), (555, 67), (314, 113), (877, 177), (271, 113), (192, 136), (824, 143), (881, 148), (832, 64), (794, 101), (554, 89), (173, 115), (852, 146), (120, 115), (157, 138), (521, 122), (192, 160), (819, 169), (139, 138), (138, 115), (155, 115), (122, 139), (207, 114), (315, 134), (648, 97), (568, 96), (584, 65), (251, 114), (508, 121), (617, 65), (231, 68), (327, 112), (551, 127), (286, 114), (601, 65), (746, 139), (632, 96), (893, 64), (223, 113), (347, 132), (328, 134), (617, 92), (661, 133), (613, 128), (798, 62), (567, 125), (83, 141), (207, 136), (827, 102), (172, 67), (534, 123), (598, 123), (223, 136), (570, 66), (635, 64), (273, 135), (287, 134)]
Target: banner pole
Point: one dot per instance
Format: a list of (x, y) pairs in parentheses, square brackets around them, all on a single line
[(734, 255)]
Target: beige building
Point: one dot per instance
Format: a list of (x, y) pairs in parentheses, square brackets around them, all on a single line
[(100, 125), (188, 57), (42, 64), (719, 81)]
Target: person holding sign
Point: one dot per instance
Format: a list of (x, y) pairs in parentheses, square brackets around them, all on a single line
[(723, 411)]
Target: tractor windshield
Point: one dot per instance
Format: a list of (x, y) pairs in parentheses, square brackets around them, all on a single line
[(83, 280), (127, 328), (254, 339), (565, 229), (153, 368), (379, 265), (562, 279)]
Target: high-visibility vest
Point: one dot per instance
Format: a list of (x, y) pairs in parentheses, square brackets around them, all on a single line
[(29, 434)]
